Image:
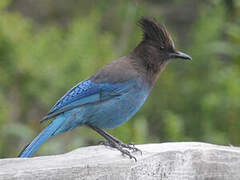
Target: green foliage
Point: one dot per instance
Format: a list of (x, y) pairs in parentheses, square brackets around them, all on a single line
[(192, 101), (37, 68)]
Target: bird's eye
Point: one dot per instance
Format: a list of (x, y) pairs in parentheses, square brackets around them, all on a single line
[(162, 48)]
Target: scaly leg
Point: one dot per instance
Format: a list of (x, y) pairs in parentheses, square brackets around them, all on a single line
[(115, 143), (128, 146)]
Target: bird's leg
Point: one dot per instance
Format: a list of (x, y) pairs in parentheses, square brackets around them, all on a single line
[(113, 142), (130, 146)]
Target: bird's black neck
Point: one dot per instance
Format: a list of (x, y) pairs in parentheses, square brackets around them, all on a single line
[(147, 61)]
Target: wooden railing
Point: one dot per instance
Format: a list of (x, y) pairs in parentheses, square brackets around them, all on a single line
[(165, 161)]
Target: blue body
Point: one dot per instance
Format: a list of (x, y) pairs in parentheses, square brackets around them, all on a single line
[(116, 91), (103, 105), (110, 106)]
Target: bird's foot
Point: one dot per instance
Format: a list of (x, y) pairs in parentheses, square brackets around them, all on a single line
[(124, 151), (131, 147), (120, 146), (107, 143)]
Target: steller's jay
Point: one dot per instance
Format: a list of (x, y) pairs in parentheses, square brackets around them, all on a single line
[(114, 93)]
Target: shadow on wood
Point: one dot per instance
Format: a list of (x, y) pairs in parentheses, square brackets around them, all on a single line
[(166, 161)]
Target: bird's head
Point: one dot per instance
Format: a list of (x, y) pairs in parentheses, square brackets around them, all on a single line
[(158, 42)]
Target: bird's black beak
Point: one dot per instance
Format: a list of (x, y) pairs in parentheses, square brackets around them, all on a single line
[(180, 55)]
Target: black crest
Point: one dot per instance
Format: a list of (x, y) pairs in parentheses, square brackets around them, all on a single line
[(155, 32)]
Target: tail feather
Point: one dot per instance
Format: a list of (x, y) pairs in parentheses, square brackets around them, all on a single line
[(41, 138)]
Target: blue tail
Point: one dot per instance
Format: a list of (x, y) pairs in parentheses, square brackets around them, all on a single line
[(42, 137)]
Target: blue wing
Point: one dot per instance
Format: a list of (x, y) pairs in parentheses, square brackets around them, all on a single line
[(81, 90), (84, 93)]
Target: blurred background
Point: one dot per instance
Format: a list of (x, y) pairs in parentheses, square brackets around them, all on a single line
[(47, 46)]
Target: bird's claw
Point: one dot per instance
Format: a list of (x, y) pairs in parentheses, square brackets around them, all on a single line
[(105, 143), (131, 147), (121, 146), (127, 153)]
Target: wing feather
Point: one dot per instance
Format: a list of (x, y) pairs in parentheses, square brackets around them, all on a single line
[(86, 92)]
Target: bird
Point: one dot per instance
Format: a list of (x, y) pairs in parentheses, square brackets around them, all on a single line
[(113, 94)]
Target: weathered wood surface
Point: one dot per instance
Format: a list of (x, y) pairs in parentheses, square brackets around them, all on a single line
[(166, 161)]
